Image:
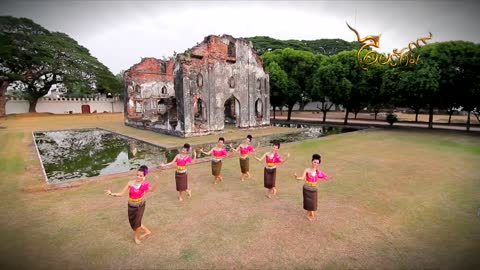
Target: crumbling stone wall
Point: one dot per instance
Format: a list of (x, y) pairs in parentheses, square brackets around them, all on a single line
[(220, 77), (219, 69), (150, 101)]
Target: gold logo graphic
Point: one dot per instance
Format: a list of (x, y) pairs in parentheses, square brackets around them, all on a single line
[(398, 57)]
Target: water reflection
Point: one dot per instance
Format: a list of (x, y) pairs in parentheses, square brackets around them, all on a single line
[(85, 153), (72, 154)]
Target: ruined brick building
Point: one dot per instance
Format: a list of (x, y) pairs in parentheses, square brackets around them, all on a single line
[(221, 80)]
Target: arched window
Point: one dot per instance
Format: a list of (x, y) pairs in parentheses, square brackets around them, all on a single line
[(164, 90), (198, 109), (231, 49), (231, 82), (258, 108), (199, 80), (259, 83)]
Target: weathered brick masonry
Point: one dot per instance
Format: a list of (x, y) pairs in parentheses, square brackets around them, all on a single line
[(221, 79)]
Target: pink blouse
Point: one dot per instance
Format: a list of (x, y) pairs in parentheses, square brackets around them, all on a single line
[(275, 158), (183, 161), (220, 153), (137, 193), (246, 150), (312, 177)]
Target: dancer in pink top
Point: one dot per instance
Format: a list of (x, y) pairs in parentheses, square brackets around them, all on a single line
[(270, 172), (244, 149), (181, 179), (218, 152), (310, 192), (136, 202)]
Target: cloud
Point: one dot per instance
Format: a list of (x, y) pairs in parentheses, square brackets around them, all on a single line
[(119, 33)]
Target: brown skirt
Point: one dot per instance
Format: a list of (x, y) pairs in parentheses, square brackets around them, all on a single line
[(216, 168), (269, 177), (245, 165), (310, 198), (135, 215), (181, 181)]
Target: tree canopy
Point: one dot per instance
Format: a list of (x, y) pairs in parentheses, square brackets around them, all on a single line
[(39, 59), (263, 44)]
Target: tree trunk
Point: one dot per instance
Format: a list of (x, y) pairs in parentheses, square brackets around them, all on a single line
[(477, 115), (430, 117), (346, 117), (3, 97), (450, 117), (417, 111), (32, 105), (355, 114), (273, 112), (290, 108), (324, 116), (468, 121), (376, 113), (301, 107)]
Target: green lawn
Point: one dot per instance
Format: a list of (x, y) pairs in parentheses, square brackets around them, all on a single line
[(399, 199)]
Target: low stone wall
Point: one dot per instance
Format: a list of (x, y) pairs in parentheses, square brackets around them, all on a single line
[(65, 105)]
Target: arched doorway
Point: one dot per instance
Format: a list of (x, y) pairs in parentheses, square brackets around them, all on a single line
[(232, 111)]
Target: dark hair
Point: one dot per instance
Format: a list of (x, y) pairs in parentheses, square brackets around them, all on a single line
[(187, 146), (249, 137), (221, 139), (143, 169), (316, 157), (277, 144)]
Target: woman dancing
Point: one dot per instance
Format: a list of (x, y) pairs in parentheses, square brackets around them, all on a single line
[(219, 152), (136, 202), (181, 179), (245, 148), (270, 172), (310, 192)]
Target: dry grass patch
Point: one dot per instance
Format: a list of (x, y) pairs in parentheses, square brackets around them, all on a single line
[(398, 200)]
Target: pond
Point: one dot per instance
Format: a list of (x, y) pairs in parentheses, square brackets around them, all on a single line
[(72, 154)]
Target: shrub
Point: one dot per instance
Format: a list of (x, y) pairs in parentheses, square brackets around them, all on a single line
[(391, 118)]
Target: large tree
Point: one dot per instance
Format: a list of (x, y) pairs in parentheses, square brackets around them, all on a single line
[(458, 65), (324, 87), (299, 67), (347, 82), (278, 84), (39, 59)]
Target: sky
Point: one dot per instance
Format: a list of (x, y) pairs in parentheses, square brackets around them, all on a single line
[(120, 33)]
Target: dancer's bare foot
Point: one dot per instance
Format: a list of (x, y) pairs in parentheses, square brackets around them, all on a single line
[(309, 218), (137, 241), (180, 198), (189, 193), (145, 234), (274, 191)]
